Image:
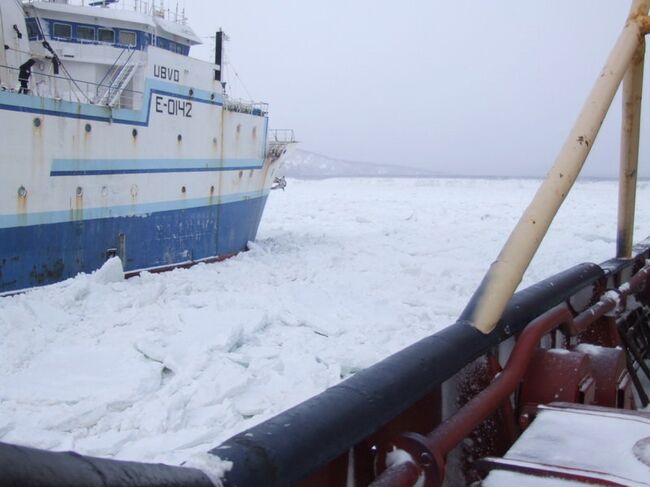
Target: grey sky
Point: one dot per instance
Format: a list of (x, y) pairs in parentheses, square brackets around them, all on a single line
[(480, 88)]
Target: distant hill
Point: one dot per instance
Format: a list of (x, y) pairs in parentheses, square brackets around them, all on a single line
[(309, 165)]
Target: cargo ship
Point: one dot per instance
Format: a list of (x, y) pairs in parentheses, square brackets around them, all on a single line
[(115, 142)]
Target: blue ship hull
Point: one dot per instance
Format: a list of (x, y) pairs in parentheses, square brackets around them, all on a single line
[(37, 255)]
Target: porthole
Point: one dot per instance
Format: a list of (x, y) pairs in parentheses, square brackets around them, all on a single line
[(88, 128), (179, 138), (22, 192), (37, 122), (134, 133)]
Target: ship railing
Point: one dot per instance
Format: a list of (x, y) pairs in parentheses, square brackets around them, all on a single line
[(119, 76), (286, 136), (113, 68), (278, 142), (244, 106), (74, 90)]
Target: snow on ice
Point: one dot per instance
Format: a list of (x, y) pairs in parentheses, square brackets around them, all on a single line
[(344, 272)]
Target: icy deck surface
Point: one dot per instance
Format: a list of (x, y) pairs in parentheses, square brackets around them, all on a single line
[(608, 445), (502, 478), (344, 273)]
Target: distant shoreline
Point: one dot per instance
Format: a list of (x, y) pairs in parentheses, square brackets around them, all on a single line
[(307, 165), (446, 176)]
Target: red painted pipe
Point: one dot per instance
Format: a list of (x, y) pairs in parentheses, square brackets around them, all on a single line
[(451, 432), (399, 475), (635, 285)]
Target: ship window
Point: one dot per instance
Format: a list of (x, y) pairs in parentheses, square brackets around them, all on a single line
[(62, 31), (171, 46), (85, 33), (127, 38), (32, 29), (106, 35)]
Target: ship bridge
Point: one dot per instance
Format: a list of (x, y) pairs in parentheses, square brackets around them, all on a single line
[(97, 52), (135, 28)]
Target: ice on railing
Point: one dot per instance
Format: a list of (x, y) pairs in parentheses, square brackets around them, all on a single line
[(243, 106)]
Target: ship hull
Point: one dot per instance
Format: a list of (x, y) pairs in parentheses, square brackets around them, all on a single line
[(36, 255), (156, 186)]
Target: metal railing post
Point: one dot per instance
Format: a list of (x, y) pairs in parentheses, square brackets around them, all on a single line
[(632, 94), (499, 284)]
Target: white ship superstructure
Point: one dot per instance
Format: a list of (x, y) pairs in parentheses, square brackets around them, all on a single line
[(116, 142)]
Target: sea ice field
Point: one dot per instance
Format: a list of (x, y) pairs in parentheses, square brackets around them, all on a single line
[(343, 273)]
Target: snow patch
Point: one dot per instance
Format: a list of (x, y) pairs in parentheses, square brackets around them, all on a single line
[(111, 271), (211, 465)]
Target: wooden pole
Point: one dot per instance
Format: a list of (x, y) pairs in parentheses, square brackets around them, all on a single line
[(632, 93), (499, 284)]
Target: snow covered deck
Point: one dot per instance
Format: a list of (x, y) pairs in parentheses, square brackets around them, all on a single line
[(594, 445)]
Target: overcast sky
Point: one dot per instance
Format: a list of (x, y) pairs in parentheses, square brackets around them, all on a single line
[(480, 88)]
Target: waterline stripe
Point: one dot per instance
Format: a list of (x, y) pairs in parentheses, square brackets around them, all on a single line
[(91, 167), (136, 210)]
